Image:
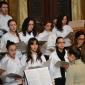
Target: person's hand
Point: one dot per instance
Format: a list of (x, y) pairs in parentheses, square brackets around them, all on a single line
[(66, 66), (53, 82), (19, 81)]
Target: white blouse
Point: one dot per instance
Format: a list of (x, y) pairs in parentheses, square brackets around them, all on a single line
[(11, 66), (26, 38), (54, 70), (34, 63), (3, 22), (66, 30), (6, 37), (44, 36), (51, 43)]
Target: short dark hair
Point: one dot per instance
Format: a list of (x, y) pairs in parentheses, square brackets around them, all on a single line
[(58, 39), (9, 43), (3, 2), (11, 21), (77, 34), (75, 52), (59, 23)]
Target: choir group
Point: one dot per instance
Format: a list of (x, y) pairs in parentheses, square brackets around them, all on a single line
[(31, 48)]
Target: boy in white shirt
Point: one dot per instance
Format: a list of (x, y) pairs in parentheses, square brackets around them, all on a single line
[(4, 17)]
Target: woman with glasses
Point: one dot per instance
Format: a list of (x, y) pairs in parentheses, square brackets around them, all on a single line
[(79, 42), (60, 54), (28, 30)]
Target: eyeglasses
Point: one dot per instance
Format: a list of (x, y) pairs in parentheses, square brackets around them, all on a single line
[(61, 42), (81, 38)]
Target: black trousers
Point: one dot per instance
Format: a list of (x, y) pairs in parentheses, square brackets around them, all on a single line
[(60, 81)]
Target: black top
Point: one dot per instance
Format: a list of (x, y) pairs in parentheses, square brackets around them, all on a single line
[(61, 56)]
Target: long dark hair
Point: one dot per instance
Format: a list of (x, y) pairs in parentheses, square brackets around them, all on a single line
[(75, 52), (29, 53), (9, 21), (9, 43), (83, 54), (25, 26), (59, 23)]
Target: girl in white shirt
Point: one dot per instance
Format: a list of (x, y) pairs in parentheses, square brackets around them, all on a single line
[(43, 36), (28, 30), (60, 54), (33, 57), (11, 64), (12, 35), (63, 29)]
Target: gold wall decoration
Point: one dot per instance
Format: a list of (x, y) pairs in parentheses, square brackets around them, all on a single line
[(22, 11), (18, 10), (78, 9)]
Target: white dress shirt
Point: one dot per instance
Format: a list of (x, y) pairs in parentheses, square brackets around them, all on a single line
[(26, 38), (54, 70), (6, 37), (64, 33), (35, 62), (44, 35), (66, 30), (3, 22), (11, 66), (51, 43)]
